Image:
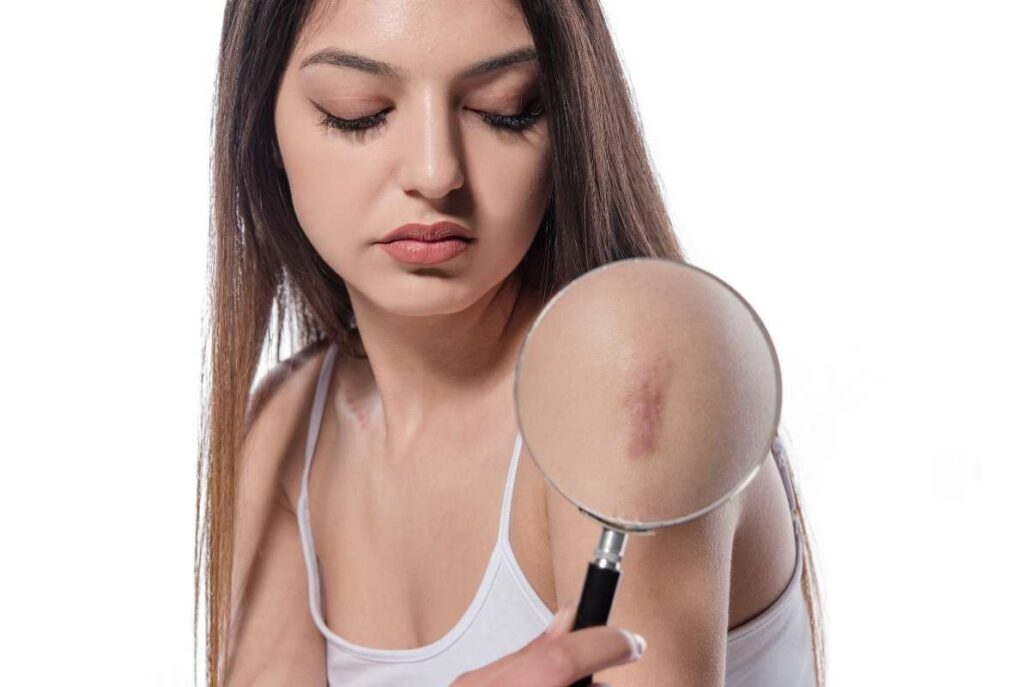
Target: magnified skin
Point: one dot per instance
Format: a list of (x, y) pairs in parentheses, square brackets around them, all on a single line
[(642, 402), (648, 391)]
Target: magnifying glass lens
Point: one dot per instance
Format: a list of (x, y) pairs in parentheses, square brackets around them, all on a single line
[(647, 391)]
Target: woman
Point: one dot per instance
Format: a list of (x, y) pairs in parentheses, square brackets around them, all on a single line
[(507, 131)]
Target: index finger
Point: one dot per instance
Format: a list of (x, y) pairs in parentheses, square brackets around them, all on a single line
[(564, 659), (561, 623)]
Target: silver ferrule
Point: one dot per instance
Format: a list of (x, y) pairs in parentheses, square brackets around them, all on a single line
[(608, 553)]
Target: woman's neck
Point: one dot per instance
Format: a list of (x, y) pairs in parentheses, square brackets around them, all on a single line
[(431, 374)]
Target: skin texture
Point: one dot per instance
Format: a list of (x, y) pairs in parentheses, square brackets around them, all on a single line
[(414, 445)]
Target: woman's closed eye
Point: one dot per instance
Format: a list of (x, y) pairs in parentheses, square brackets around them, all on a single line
[(502, 122)]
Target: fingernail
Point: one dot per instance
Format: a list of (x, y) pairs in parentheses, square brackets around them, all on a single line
[(637, 644)]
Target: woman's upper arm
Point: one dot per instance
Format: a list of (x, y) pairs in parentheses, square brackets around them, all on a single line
[(272, 638), (674, 590)]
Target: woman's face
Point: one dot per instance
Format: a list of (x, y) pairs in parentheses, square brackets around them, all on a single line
[(437, 150)]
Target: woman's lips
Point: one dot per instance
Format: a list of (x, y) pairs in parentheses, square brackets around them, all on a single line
[(415, 252)]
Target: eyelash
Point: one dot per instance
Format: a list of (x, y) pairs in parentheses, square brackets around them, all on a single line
[(504, 123)]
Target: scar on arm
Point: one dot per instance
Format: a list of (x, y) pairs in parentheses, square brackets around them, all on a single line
[(642, 402)]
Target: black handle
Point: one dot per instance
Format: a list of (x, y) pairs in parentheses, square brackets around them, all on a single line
[(595, 604)]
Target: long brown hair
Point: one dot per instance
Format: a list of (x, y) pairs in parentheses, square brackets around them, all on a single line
[(266, 278)]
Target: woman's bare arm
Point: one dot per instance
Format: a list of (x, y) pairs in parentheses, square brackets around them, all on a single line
[(272, 638)]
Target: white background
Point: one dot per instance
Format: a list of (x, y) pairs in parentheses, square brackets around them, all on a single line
[(859, 171)]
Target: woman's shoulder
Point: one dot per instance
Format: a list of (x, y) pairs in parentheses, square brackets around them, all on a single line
[(277, 414), (285, 380)]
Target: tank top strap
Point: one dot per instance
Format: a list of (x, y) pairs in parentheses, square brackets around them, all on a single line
[(303, 514), (318, 408), (314, 423), (509, 488)]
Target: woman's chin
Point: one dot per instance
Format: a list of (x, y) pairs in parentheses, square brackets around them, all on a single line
[(426, 300)]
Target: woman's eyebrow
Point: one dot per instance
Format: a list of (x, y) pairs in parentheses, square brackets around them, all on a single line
[(342, 58)]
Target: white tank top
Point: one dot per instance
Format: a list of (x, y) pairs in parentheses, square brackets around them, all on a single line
[(774, 648)]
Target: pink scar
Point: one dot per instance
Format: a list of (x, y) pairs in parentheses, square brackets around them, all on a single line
[(642, 402)]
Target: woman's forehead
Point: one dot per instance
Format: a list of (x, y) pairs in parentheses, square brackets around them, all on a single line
[(415, 36)]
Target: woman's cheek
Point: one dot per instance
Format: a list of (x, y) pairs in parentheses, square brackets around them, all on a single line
[(331, 201), (533, 195), (514, 191)]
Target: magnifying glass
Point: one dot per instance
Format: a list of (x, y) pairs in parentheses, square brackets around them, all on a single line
[(648, 392)]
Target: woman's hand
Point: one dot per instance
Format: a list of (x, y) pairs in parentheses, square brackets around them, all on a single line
[(559, 656)]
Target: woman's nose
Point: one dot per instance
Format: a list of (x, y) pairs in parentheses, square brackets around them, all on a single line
[(432, 159)]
